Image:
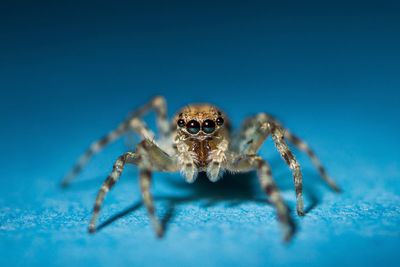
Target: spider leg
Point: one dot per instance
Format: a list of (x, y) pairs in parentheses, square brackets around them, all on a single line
[(145, 180), (287, 155), (154, 158), (245, 163), (304, 147), (140, 127), (94, 148), (111, 180), (159, 105), (148, 156), (252, 136), (132, 122)]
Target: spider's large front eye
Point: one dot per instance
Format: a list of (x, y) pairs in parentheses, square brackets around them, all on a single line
[(208, 126), (193, 127), (181, 123)]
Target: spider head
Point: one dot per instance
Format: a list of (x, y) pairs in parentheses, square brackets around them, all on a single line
[(200, 121)]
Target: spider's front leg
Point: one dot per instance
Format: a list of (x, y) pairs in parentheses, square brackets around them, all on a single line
[(108, 184), (153, 158), (255, 131), (253, 134), (145, 180), (148, 157), (244, 163)]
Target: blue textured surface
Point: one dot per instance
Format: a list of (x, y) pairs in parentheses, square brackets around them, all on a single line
[(71, 72)]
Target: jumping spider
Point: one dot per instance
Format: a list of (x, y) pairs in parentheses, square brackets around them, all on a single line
[(197, 140)]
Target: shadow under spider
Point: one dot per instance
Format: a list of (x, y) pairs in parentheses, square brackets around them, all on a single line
[(235, 188)]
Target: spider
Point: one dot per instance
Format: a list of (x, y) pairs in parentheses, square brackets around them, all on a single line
[(199, 139)]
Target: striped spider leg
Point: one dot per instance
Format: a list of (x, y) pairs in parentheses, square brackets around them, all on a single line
[(255, 131), (244, 163), (133, 122), (148, 157)]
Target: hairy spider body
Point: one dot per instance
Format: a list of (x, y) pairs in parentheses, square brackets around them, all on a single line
[(201, 144), (199, 139)]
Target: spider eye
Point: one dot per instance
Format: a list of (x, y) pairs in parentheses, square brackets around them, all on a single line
[(208, 126), (193, 127), (220, 121), (181, 123)]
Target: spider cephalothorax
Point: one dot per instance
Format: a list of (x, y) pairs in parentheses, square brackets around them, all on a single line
[(199, 120), (199, 139)]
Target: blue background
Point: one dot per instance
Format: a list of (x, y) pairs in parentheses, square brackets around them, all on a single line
[(69, 72)]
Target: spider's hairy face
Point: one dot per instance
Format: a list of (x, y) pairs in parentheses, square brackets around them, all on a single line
[(199, 122), (202, 128)]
